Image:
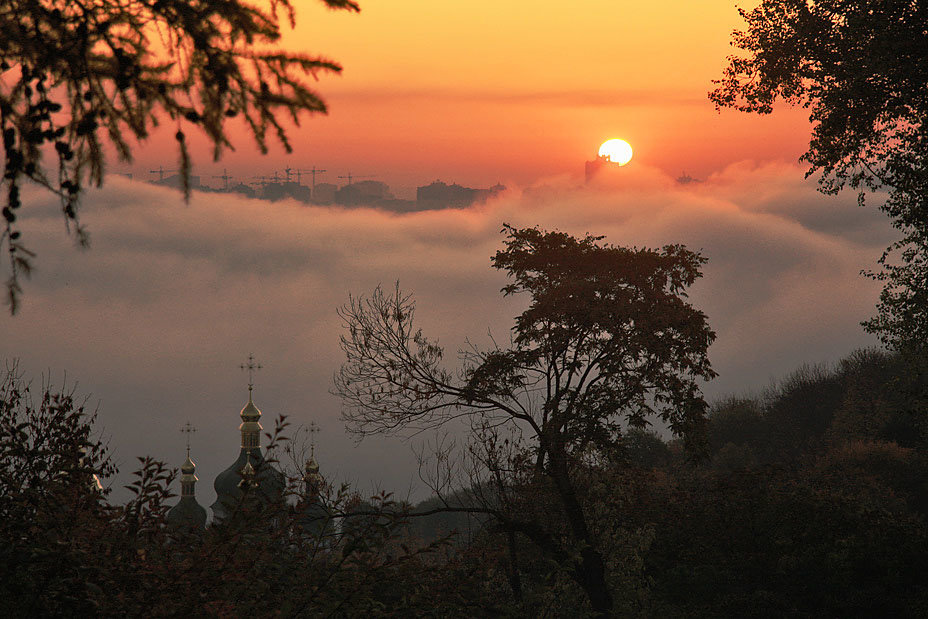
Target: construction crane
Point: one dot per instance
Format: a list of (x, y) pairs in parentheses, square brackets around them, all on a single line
[(349, 177), (225, 177), (313, 171), (160, 172)]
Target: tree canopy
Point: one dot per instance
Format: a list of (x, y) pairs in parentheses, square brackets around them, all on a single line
[(861, 69), (78, 75), (608, 340)]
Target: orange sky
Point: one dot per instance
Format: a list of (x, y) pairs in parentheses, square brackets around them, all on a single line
[(484, 91)]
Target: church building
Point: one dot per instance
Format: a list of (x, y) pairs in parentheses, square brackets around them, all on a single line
[(250, 473)]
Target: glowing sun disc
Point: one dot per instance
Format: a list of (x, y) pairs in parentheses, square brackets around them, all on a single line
[(616, 151)]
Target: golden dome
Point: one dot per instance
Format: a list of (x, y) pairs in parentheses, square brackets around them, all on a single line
[(250, 413)]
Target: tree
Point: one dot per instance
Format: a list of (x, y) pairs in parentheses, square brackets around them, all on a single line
[(608, 339), (860, 67), (66, 550), (77, 75)]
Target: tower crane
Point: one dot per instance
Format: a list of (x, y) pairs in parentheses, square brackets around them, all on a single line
[(225, 177), (160, 172), (349, 177), (312, 171)]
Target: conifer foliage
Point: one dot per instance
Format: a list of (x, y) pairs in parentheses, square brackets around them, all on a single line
[(79, 75)]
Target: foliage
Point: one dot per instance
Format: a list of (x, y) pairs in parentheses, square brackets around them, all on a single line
[(790, 517), (48, 459), (838, 527), (77, 75), (860, 68), (67, 551), (608, 339), (869, 395)]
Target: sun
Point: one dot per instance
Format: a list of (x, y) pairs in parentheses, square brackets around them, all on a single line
[(616, 151)]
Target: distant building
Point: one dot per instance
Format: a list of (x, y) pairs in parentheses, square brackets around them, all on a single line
[(324, 193), (440, 195), (398, 205), (362, 192), (283, 190), (593, 168), (686, 179), (243, 189), (175, 181)]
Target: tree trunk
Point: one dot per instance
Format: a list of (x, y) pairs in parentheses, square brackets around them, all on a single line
[(590, 573), (515, 579)]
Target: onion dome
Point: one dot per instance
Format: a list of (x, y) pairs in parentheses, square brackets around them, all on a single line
[(311, 467), (313, 515), (250, 428), (312, 479), (268, 482), (187, 514), (250, 412)]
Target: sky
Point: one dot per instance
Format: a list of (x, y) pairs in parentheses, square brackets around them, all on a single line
[(153, 321), (482, 91)]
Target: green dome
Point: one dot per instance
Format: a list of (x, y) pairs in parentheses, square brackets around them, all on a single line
[(270, 482), (187, 514)]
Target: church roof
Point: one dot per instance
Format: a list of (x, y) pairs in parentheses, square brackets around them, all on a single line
[(250, 412), (270, 481), (187, 514), (188, 467)]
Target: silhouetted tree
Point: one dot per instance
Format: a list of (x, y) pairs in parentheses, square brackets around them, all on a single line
[(67, 551), (78, 75), (608, 338), (860, 68)]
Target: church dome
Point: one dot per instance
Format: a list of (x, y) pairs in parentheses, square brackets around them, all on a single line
[(250, 413), (268, 482), (187, 514)]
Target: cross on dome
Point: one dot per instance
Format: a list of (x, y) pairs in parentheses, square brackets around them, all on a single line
[(252, 367), (188, 429), (313, 429)]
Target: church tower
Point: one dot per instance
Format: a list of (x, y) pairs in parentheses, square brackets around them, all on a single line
[(188, 514), (250, 467)]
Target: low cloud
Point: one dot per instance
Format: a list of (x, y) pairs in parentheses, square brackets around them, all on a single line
[(156, 317)]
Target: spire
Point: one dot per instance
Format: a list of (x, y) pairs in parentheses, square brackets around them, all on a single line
[(187, 514), (311, 477), (251, 428), (188, 478)]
